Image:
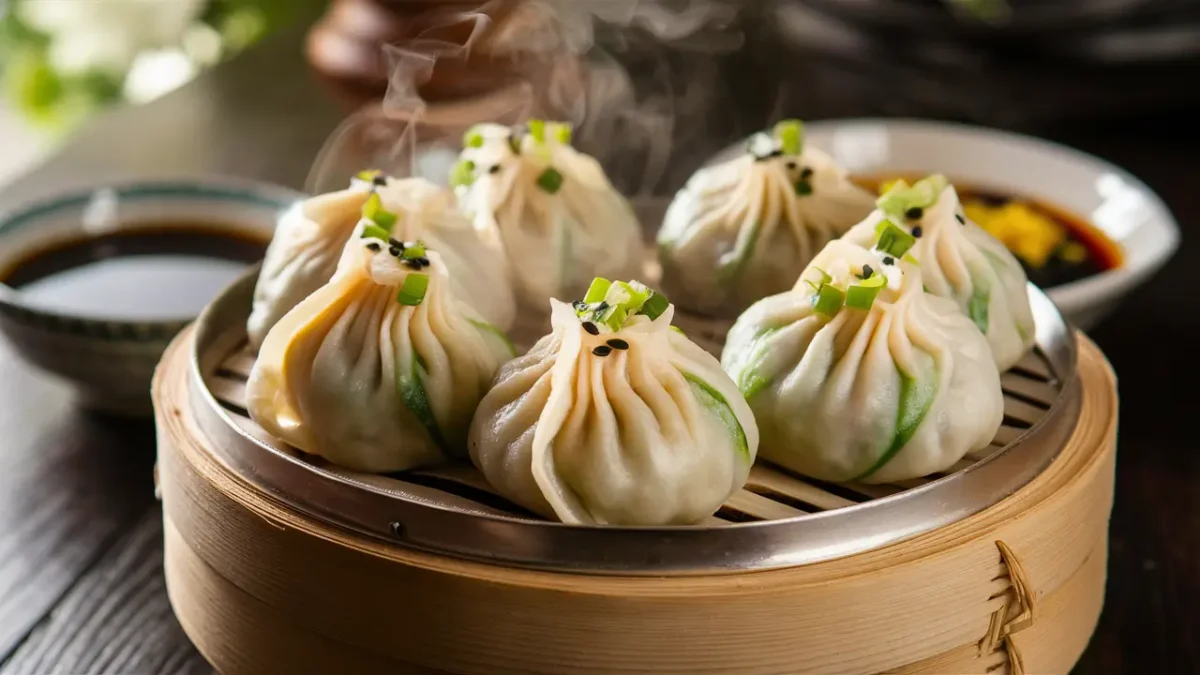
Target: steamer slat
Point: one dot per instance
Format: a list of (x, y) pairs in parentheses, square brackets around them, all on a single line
[(761, 507), (764, 477)]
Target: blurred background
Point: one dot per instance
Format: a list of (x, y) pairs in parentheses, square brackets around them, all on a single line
[(1020, 64)]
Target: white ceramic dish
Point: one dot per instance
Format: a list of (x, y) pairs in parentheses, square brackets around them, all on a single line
[(110, 360), (1106, 195)]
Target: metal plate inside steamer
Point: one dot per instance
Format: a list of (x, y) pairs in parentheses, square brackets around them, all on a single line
[(779, 519)]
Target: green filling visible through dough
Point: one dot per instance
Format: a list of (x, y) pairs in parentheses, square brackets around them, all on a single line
[(977, 307), (916, 397), (750, 381), (412, 393), (716, 404), (486, 327), (732, 267)]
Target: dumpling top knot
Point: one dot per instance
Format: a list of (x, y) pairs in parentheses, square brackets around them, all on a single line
[(535, 152), (610, 306)]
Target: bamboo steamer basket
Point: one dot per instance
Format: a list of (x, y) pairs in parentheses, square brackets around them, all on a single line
[(277, 562)]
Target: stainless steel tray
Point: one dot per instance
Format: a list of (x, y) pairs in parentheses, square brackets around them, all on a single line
[(778, 520)]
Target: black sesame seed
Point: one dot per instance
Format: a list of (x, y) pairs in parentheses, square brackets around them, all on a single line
[(591, 328), (916, 232), (380, 181), (394, 251), (960, 219), (579, 305), (914, 213), (423, 262), (602, 306), (602, 350), (412, 264), (374, 246), (867, 272), (806, 173), (889, 260), (495, 168), (618, 343), (791, 165), (396, 243)]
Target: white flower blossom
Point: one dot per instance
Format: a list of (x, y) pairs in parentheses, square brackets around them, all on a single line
[(107, 35)]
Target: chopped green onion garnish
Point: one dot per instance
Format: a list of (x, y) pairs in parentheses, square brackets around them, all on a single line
[(612, 303), (791, 135), (371, 231), (862, 295), (416, 250), (803, 188), (473, 139), (373, 210), (597, 290), (550, 180), (897, 201), (679, 330), (828, 300), (893, 241), (630, 295), (369, 175), (824, 279), (537, 129), (412, 292), (655, 305), (910, 259), (463, 173), (561, 132), (614, 317), (928, 189)]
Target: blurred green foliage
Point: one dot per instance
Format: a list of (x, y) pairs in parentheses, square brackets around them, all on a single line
[(57, 102)]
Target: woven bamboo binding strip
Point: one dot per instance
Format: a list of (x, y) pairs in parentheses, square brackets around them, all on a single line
[(259, 587)]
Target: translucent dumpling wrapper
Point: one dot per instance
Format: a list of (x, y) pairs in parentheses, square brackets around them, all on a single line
[(310, 238), (745, 228), (617, 422), (959, 260), (552, 208), (381, 368), (869, 380)]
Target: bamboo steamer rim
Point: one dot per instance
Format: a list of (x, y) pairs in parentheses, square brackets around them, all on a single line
[(392, 514), (1015, 588)]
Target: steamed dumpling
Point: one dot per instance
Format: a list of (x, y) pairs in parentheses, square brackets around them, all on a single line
[(615, 418), (381, 368), (961, 261), (552, 208), (745, 228), (310, 238), (869, 380)]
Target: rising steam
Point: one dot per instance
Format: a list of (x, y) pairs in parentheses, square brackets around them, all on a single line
[(612, 68)]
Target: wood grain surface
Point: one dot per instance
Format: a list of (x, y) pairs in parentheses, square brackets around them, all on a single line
[(116, 619), (74, 488)]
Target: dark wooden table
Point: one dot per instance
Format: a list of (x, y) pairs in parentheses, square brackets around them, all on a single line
[(81, 585)]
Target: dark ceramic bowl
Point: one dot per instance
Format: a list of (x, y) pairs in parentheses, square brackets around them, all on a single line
[(110, 361)]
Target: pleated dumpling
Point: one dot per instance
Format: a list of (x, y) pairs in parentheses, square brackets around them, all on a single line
[(959, 260), (310, 238), (745, 228), (381, 368), (857, 374), (559, 219), (615, 418)]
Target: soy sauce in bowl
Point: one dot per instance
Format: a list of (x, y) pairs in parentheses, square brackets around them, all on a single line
[(148, 272), (95, 283)]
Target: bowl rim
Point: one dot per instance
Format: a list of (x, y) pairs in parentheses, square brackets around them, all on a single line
[(1081, 293), (24, 213)]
